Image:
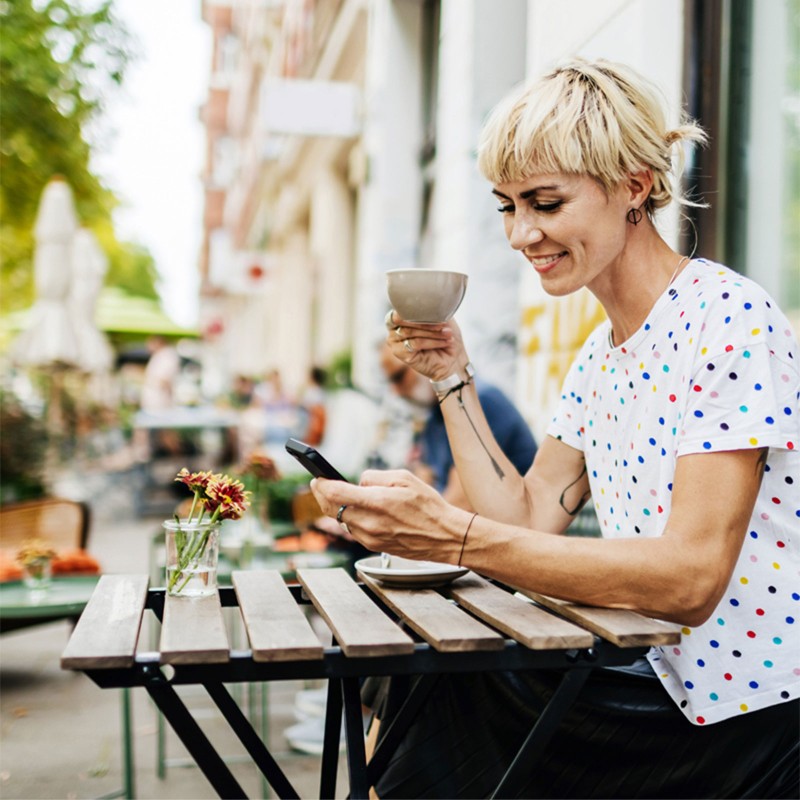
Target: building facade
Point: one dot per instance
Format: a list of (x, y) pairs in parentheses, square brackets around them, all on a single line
[(341, 144)]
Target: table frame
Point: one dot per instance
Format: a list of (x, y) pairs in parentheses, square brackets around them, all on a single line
[(344, 674)]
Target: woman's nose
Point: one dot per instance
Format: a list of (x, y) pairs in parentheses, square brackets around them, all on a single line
[(524, 232)]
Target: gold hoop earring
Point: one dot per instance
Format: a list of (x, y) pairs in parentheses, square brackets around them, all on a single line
[(634, 216)]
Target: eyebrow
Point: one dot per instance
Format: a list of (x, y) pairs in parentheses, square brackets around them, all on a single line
[(529, 192)]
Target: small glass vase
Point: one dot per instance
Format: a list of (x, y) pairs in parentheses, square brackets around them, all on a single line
[(192, 558), (37, 573)]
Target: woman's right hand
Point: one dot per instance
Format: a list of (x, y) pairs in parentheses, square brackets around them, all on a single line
[(436, 351)]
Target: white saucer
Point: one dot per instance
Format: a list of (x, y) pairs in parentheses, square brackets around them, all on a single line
[(408, 573)]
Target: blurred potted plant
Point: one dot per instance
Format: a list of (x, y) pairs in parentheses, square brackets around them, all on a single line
[(36, 559), (259, 472), (23, 451)]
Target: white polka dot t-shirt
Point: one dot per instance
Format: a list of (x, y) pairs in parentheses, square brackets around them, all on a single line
[(713, 368)]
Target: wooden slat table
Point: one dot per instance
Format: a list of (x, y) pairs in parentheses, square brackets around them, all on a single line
[(470, 625)]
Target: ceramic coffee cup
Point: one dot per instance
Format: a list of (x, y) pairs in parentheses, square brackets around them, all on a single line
[(425, 295)]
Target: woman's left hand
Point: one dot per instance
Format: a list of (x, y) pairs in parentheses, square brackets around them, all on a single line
[(393, 511)]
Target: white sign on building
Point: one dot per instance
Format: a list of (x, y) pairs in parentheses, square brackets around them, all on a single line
[(311, 108)]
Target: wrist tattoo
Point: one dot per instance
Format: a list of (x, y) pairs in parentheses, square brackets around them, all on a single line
[(562, 501)]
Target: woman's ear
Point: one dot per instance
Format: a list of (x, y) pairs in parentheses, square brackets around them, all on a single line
[(638, 185)]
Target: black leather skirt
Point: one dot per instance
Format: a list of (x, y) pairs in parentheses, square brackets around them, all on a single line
[(622, 738)]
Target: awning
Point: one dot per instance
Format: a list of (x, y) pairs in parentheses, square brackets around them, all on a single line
[(116, 311), (119, 312)]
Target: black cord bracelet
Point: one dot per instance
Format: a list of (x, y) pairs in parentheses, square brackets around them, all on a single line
[(457, 388), (466, 533)]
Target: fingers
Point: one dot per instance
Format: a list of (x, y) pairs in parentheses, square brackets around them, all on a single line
[(441, 332), (386, 477), (332, 494), (412, 341)]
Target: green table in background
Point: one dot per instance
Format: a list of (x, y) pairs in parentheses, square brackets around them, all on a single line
[(64, 598)]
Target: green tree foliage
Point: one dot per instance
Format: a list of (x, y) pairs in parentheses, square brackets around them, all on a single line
[(130, 265), (57, 60)]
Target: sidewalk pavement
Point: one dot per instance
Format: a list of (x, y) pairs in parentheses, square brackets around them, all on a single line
[(60, 734)]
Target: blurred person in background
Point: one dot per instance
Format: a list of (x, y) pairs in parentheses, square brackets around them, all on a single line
[(313, 404), (158, 392), (160, 374), (281, 413)]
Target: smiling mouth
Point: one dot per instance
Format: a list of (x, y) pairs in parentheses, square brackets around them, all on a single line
[(543, 263)]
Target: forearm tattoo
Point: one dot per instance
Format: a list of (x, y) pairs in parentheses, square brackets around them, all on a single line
[(497, 468), (563, 502)]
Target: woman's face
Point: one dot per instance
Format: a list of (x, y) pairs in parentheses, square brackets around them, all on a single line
[(567, 226)]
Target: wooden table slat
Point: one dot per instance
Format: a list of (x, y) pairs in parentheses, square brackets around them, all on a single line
[(526, 623), (193, 631), (441, 623), (108, 629), (276, 627), (360, 627), (621, 627)]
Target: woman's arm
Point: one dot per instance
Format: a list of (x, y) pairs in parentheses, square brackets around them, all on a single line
[(679, 576), (547, 498), (555, 487)]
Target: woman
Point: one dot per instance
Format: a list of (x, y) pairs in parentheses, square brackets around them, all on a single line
[(679, 418)]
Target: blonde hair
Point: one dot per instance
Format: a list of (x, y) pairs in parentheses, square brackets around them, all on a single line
[(599, 118)]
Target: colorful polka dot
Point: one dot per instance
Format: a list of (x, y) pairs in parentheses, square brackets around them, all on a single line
[(722, 367)]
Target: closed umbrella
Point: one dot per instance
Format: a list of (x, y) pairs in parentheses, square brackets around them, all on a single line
[(89, 265), (50, 339)]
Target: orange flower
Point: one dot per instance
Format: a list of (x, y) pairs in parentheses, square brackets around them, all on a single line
[(261, 467), (220, 495), (196, 481), (227, 498)]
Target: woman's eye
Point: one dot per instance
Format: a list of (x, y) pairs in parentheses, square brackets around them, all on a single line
[(505, 209), (548, 207)]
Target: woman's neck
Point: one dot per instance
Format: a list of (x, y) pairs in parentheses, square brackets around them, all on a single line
[(629, 289)]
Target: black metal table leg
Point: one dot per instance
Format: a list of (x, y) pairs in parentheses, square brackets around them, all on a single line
[(354, 733), (330, 747), (541, 733), (241, 726), (195, 741), (394, 733)]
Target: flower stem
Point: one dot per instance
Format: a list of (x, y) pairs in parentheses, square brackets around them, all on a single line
[(188, 554)]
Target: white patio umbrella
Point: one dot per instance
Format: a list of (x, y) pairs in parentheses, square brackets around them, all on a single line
[(49, 338), (89, 265)]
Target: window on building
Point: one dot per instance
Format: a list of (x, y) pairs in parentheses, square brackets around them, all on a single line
[(742, 82)]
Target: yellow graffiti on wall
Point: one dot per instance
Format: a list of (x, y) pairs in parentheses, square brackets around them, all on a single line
[(552, 333)]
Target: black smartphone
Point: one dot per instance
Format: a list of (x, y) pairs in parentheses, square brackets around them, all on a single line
[(312, 460)]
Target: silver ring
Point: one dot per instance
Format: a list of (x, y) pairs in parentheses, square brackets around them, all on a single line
[(339, 519), (397, 331), (408, 346), (387, 320)]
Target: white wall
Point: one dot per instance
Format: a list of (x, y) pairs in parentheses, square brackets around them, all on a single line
[(482, 55), (389, 202), (647, 35)]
